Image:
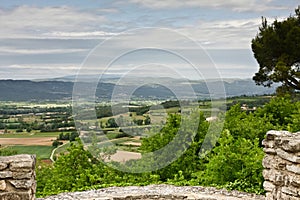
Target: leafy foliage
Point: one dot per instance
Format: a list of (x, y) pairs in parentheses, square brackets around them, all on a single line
[(234, 163), (276, 49)]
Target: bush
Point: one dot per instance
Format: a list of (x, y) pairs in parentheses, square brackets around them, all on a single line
[(56, 143)]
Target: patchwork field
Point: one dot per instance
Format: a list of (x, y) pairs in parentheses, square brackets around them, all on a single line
[(41, 141), (42, 152)]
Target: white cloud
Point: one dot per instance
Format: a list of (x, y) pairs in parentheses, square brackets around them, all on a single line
[(37, 71), (90, 34), (226, 34), (26, 21), (9, 50), (236, 5), (44, 66)]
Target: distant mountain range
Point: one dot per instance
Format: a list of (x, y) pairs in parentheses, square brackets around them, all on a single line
[(145, 88)]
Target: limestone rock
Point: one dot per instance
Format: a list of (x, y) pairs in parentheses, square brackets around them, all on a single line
[(2, 185), (288, 156), (22, 175), (3, 166), (271, 135), (17, 177), (16, 196), (25, 184), (21, 166), (18, 158), (268, 186), (293, 168), (291, 190), (295, 181), (291, 145), (5, 174)]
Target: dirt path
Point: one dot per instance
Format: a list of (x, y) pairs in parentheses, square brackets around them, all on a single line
[(53, 151)]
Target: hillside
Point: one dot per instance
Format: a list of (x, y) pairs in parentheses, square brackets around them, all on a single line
[(26, 90)]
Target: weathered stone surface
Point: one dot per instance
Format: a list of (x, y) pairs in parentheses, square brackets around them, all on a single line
[(291, 145), (295, 180), (270, 151), (25, 166), (268, 144), (10, 196), (3, 166), (269, 186), (293, 168), (18, 158), (276, 177), (157, 192), (269, 196), (2, 185), (288, 156), (288, 197), (271, 135), (291, 190), (24, 184), (282, 165), (5, 174), (17, 177), (16, 196), (274, 162), (22, 175)]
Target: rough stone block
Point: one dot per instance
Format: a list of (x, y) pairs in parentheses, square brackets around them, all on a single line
[(293, 168), (2, 185), (3, 166), (16, 196), (288, 156), (288, 197), (23, 184), (5, 174), (18, 177), (268, 144), (290, 190), (274, 162), (271, 135), (18, 158), (22, 175), (269, 196), (22, 166), (269, 186), (270, 151), (291, 145), (295, 180)]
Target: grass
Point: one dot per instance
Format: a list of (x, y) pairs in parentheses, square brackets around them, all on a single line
[(62, 149), (41, 152)]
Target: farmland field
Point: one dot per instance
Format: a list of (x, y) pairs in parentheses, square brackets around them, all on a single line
[(42, 152), (43, 141), (30, 135)]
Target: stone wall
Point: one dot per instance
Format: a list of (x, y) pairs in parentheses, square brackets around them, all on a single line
[(282, 165), (17, 177)]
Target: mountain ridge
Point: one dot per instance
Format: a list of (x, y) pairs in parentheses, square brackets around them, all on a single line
[(29, 90)]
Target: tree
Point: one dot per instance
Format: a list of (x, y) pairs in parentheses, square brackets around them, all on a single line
[(276, 49), (147, 120), (111, 123)]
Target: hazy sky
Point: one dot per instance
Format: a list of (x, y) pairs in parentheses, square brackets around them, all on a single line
[(40, 39)]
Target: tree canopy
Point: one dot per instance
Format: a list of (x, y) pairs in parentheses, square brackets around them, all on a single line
[(276, 48)]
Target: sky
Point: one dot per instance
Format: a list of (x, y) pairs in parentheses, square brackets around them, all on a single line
[(45, 39)]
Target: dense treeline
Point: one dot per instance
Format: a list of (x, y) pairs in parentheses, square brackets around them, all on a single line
[(15, 110)]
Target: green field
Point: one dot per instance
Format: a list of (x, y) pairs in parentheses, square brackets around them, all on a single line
[(63, 148), (41, 152), (31, 135)]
